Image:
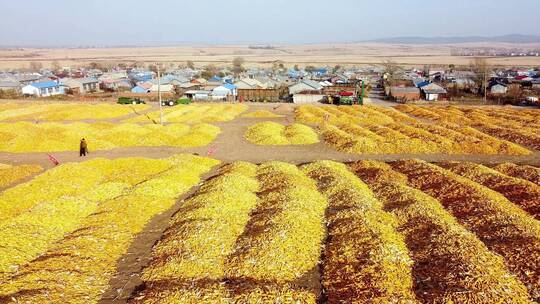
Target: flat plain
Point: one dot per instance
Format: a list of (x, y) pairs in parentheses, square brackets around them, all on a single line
[(307, 54)]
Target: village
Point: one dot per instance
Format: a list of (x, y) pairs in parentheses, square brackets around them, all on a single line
[(300, 85)]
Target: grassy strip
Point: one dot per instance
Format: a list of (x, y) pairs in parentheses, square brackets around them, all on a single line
[(502, 226), (525, 172), (276, 259), (77, 268), (10, 175), (520, 192), (451, 265), (365, 259), (271, 133), (188, 264)]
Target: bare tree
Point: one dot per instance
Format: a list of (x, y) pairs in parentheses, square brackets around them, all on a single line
[(390, 69), (310, 69), (481, 71), (35, 66), (277, 65), (238, 65), (152, 67), (190, 65), (515, 93), (56, 65), (209, 71)]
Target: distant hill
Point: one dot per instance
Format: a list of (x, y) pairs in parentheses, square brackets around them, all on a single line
[(465, 39)]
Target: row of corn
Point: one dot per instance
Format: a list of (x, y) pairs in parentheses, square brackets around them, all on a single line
[(63, 246), (10, 175), (193, 114), (251, 235), (517, 126), (378, 130), (66, 111), (502, 226), (404, 232), (451, 265), (49, 137)]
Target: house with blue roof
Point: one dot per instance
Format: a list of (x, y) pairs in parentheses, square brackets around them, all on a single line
[(215, 79), (226, 92), (44, 89)]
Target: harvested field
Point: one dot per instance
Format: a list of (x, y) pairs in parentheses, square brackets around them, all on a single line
[(447, 258), (298, 223)]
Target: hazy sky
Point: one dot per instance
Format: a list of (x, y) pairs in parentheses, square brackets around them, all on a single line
[(122, 22)]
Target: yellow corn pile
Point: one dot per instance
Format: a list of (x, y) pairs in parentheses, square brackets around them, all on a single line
[(525, 172), (68, 112), (448, 258), (504, 227), (10, 175), (71, 244), (275, 134), (520, 192), (49, 137), (194, 114), (365, 258)]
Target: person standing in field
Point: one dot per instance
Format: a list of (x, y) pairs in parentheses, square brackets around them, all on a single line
[(83, 148)]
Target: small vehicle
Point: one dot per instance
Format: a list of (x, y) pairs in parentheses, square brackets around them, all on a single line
[(128, 100), (179, 101)]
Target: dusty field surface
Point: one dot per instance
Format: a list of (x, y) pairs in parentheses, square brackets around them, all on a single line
[(343, 54)]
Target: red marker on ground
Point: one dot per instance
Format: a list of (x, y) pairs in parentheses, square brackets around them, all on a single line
[(53, 160)]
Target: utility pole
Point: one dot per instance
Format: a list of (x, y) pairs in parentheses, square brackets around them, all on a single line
[(159, 95), (485, 86)]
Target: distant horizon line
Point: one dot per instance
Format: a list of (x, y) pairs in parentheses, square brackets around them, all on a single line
[(508, 38)]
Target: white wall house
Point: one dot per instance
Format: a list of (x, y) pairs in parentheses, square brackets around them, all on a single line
[(43, 89), (305, 85), (432, 91), (307, 98), (224, 92), (165, 88), (82, 85), (499, 89)]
